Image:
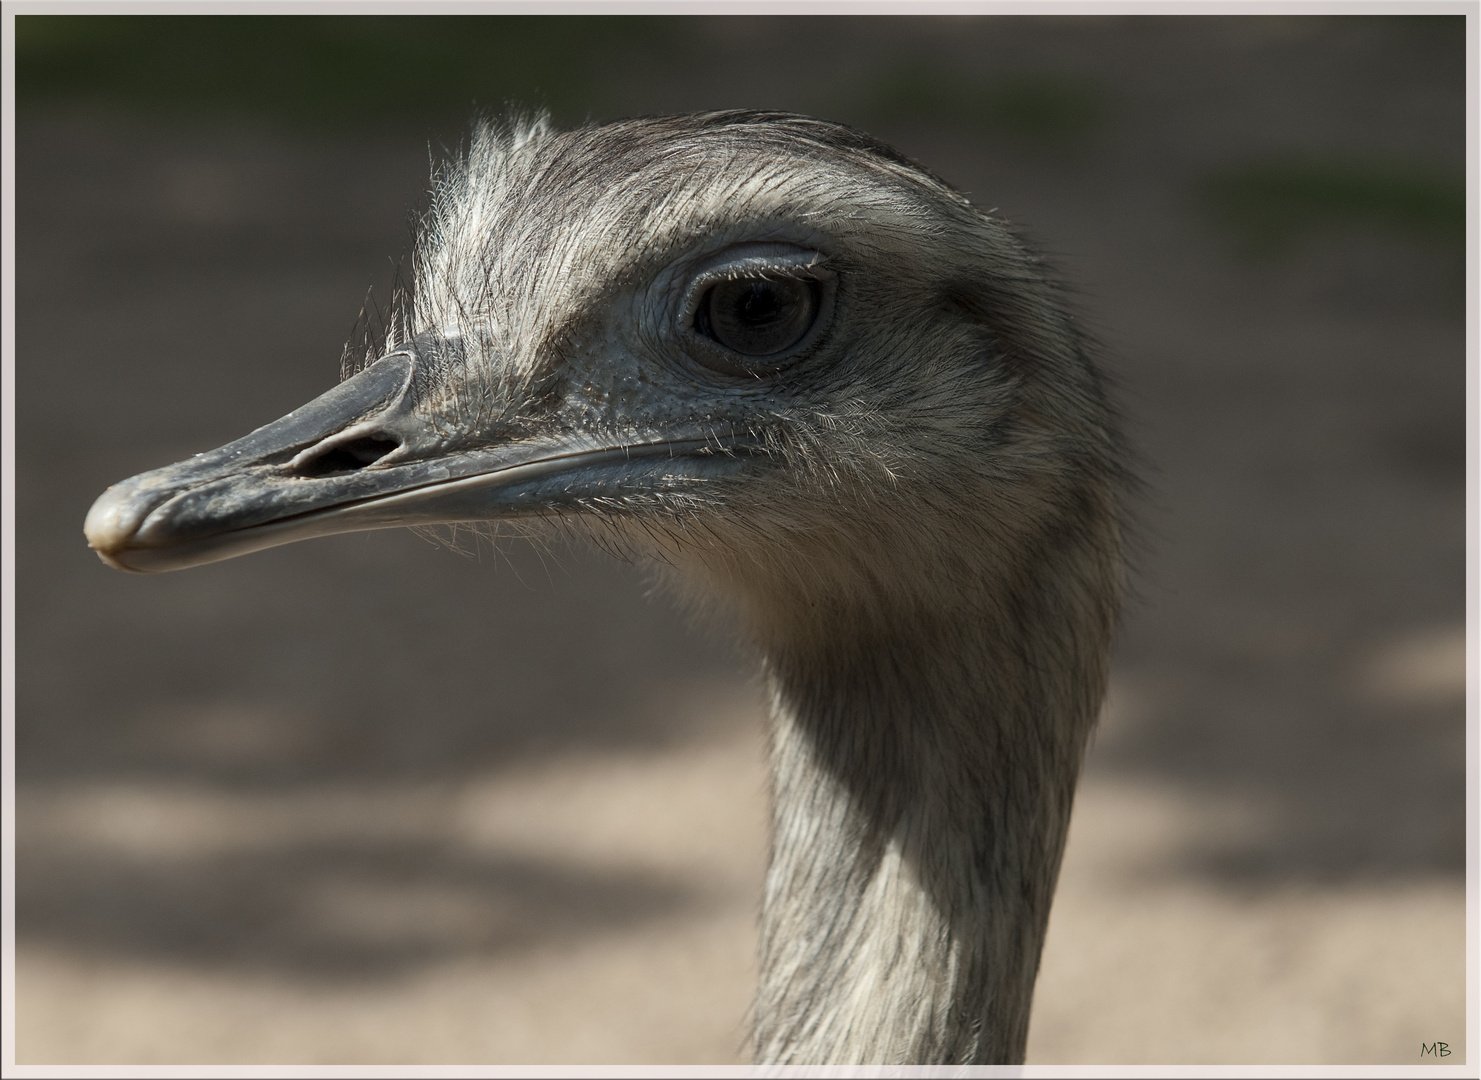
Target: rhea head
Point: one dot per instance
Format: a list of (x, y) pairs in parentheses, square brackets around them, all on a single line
[(766, 348)]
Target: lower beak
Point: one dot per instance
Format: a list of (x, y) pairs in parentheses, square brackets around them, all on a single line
[(357, 458)]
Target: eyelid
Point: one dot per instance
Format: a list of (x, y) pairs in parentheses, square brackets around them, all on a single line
[(780, 261)]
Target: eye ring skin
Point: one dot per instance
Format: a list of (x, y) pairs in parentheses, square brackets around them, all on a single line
[(744, 261)]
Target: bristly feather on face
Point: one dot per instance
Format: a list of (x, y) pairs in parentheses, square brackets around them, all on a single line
[(559, 259), (762, 347)]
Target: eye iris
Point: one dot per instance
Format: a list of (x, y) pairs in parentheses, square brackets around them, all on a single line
[(759, 316)]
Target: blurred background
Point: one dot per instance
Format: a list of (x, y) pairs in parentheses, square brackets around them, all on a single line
[(367, 800)]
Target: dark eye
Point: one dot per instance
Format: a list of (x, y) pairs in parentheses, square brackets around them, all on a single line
[(758, 316)]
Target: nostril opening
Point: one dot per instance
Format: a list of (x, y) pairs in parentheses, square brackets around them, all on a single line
[(348, 457)]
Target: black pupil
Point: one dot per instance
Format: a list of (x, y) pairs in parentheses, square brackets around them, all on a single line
[(759, 316)]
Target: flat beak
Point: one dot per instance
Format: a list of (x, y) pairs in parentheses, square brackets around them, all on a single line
[(358, 458)]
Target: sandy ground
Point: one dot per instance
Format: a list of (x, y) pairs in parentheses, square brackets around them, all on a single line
[(361, 800)]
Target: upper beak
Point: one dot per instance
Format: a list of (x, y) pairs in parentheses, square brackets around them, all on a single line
[(359, 458)]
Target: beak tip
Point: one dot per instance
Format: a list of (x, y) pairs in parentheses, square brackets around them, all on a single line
[(112, 522)]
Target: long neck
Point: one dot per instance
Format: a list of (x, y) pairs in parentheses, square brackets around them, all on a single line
[(923, 776)]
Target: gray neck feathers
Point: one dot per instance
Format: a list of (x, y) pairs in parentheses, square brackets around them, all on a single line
[(924, 767)]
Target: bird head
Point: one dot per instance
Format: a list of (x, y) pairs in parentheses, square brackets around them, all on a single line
[(768, 347)]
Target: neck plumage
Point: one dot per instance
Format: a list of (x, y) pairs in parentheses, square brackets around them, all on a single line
[(923, 775)]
